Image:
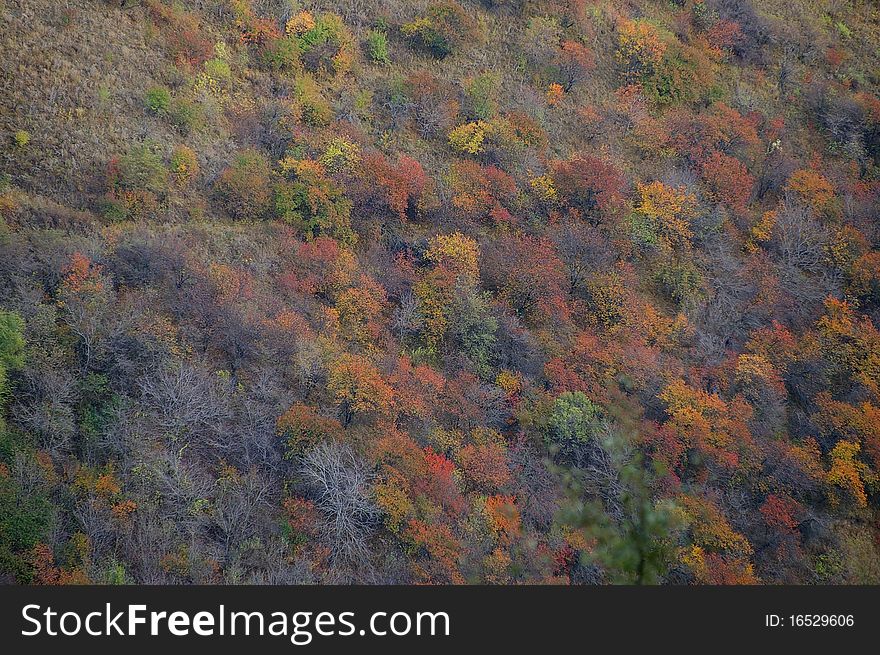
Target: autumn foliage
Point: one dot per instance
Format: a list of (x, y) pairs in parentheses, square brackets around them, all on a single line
[(499, 292)]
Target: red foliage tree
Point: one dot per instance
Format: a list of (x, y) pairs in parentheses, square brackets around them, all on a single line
[(183, 33), (728, 179), (575, 62), (782, 513), (442, 548), (591, 186), (528, 274), (416, 387), (483, 193), (485, 465), (438, 483), (302, 427), (321, 266), (398, 187)]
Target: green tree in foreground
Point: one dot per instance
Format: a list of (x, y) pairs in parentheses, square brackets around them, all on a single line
[(632, 535), (11, 347), (25, 512)]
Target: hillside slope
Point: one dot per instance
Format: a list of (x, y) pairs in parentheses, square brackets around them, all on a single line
[(574, 291)]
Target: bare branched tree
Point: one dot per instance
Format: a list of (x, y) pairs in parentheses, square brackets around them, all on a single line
[(241, 509), (341, 486), (407, 318), (799, 238), (184, 398), (45, 405), (584, 250)]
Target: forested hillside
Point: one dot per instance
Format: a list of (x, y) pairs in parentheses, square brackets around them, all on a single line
[(390, 291)]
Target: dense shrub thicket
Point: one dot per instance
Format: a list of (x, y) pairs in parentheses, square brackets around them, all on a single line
[(446, 291)]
